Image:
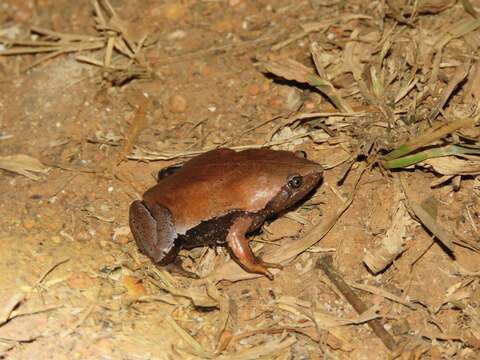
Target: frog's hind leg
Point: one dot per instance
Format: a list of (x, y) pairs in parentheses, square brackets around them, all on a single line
[(154, 231), (240, 249), (154, 234)]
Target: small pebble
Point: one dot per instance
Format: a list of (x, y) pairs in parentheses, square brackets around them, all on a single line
[(234, 2), (253, 90), (28, 223), (309, 105), (80, 280), (178, 104), (174, 12), (56, 239), (276, 102)]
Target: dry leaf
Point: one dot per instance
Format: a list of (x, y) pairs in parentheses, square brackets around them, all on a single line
[(393, 243), (266, 350), (288, 69), (424, 6), (452, 165), (327, 321), (441, 233), (24, 165)]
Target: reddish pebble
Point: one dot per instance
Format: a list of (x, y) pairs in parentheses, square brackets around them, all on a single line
[(253, 90), (309, 105), (178, 104), (276, 102), (80, 280), (234, 2)]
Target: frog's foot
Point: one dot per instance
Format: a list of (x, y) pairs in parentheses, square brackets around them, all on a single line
[(153, 231), (240, 249)]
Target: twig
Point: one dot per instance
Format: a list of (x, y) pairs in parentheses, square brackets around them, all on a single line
[(458, 77), (383, 293), (49, 270), (18, 313), (138, 124), (5, 313), (83, 317), (325, 263)]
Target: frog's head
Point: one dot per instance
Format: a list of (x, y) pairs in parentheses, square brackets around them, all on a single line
[(280, 178)]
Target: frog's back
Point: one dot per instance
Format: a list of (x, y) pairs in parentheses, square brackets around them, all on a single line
[(219, 182)]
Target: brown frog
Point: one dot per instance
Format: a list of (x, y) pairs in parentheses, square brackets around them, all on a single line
[(216, 199)]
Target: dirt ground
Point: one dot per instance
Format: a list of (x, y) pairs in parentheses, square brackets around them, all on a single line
[(98, 118)]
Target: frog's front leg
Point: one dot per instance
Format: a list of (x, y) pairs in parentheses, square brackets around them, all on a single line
[(240, 249)]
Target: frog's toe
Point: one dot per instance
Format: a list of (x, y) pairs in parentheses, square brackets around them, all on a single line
[(153, 230), (268, 274)]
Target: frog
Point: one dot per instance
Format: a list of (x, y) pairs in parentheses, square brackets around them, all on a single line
[(218, 198)]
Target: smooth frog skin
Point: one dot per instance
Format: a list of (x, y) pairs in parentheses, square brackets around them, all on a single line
[(216, 199)]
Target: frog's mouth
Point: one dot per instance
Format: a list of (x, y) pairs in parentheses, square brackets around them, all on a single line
[(287, 197)]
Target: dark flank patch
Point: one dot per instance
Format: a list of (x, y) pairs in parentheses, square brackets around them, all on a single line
[(208, 233), (214, 232)]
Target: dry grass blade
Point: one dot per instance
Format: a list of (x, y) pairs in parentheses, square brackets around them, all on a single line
[(224, 307), (387, 295), (295, 71), (67, 37), (467, 5), (443, 235), (138, 124), (11, 304), (419, 7), (114, 35), (325, 320), (194, 345), (24, 165), (460, 74), (54, 47), (199, 297), (434, 6), (455, 31), (261, 351), (452, 166), (165, 298), (392, 244), (149, 155), (26, 312), (352, 64), (328, 321), (86, 313), (325, 263)]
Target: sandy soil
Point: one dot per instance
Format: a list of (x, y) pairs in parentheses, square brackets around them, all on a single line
[(73, 284)]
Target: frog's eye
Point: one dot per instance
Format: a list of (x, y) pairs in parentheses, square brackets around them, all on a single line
[(295, 181), (301, 154)]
